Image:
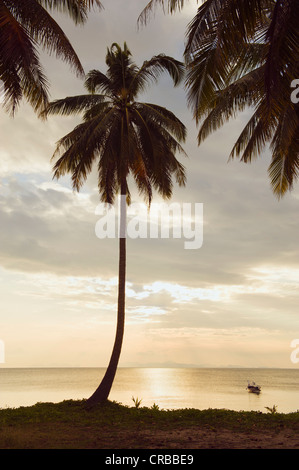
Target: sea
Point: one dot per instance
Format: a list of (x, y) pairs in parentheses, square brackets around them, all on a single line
[(167, 388)]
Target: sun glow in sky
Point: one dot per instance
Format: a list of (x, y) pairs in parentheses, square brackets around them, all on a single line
[(233, 302)]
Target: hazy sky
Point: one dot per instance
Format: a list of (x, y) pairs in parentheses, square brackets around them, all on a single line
[(233, 302)]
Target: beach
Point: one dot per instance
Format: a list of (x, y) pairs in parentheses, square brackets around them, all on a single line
[(69, 425), (182, 438)]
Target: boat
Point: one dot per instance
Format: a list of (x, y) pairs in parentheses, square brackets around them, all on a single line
[(252, 387)]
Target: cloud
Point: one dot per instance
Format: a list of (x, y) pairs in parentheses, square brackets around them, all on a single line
[(239, 286)]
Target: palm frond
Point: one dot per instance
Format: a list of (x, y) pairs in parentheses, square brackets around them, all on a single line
[(20, 69), (153, 134), (278, 176), (46, 31), (172, 6), (97, 81), (152, 69), (76, 9), (283, 39), (207, 74), (283, 172), (241, 94), (246, 18), (72, 105), (77, 155), (253, 139), (24, 25), (108, 183), (284, 167), (164, 118)]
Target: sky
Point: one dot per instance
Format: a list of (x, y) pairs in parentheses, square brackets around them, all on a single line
[(232, 302)]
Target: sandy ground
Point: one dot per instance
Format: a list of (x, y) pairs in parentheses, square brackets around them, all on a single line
[(205, 438), (41, 436)]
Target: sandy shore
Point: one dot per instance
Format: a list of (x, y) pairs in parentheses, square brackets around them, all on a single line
[(204, 438), (69, 425), (43, 437)]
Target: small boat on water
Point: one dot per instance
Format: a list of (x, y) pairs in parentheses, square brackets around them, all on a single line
[(253, 388)]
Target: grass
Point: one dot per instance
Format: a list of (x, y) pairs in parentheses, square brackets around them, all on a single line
[(114, 426)]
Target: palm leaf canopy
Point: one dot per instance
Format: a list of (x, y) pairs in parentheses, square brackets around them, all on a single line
[(24, 25), (123, 135), (245, 54)]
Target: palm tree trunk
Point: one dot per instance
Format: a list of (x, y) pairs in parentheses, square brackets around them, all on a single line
[(102, 392)]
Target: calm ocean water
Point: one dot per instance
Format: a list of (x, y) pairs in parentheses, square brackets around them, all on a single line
[(168, 388)]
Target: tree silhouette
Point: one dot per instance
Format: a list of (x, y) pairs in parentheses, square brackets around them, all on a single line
[(125, 137)]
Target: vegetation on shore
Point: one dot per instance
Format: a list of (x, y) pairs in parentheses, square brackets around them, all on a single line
[(70, 424)]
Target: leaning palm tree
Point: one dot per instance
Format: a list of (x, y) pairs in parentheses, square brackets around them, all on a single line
[(23, 26), (242, 54), (125, 137)]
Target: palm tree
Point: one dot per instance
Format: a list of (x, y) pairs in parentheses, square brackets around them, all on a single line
[(242, 54), (23, 25), (125, 137)]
